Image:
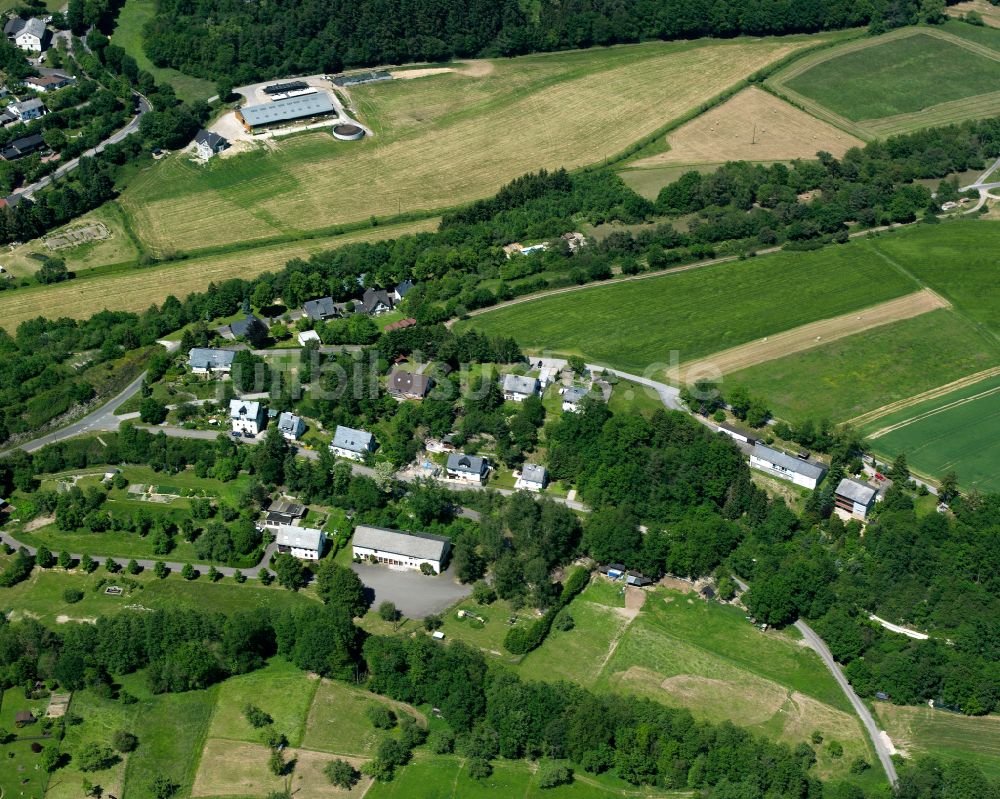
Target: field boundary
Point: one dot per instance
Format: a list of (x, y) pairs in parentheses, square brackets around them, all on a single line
[(868, 129), (934, 412), (814, 334)]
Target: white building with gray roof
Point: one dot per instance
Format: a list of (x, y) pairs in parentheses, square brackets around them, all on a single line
[(854, 499), (533, 477), (291, 426), (518, 388), (350, 443), (289, 109), (207, 361), (467, 468), (800, 471), (402, 550), (247, 416), (305, 543)]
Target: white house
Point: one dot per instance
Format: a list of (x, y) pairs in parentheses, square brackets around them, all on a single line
[(48, 83), (467, 468), (573, 397), (801, 472), (737, 433), (208, 144), (351, 443), (291, 426), (206, 361), (27, 110), (247, 417), (853, 499), (400, 292), (308, 335), (518, 388), (28, 34), (305, 543), (533, 477), (394, 548)]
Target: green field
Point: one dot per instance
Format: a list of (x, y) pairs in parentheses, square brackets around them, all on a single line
[(682, 651), (128, 35), (442, 140), (859, 373), (631, 325), (925, 731), (18, 775), (898, 76)]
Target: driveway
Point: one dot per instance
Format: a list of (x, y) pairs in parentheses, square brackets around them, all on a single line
[(415, 594)]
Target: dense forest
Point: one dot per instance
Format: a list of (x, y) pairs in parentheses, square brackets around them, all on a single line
[(242, 43)]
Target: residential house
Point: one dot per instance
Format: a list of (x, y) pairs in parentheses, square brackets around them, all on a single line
[(404, 385), (467, 468), (400, 292), (800, 471), (351, 443), (28, 34), (375, 302), (614, 570), (737, 433), (305, 543), (252, 329), (26, 110), (308, 335), (573, 397), (291, 426), (247, 416), (283, 512), (322, 309), (518, 388), (637, 579), (853, 499), (207, 361), (207, 144), (48, 83), (533, 477), (19, 148), (395, 548), (294, 509)]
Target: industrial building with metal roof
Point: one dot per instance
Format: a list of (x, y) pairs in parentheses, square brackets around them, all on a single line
[(286, 110)]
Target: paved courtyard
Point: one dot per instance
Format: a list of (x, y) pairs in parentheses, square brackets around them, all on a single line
[(415, 594)]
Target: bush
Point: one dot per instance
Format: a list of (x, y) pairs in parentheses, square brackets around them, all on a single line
[(72, 595), (381, 717), (442, 742), (835, 748), (483, 594), (479, 768), (341, 773), (433, 622), (160, 569), (94, 757), (564, 621), (551, 775), (124, 741), (524, 638), (859, 765), (257, 717), (162, 787)]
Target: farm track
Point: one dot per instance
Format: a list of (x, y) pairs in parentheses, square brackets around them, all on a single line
[(916, 399), (812, 335)]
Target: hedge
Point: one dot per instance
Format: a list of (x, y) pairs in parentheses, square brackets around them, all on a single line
[(521, 640)]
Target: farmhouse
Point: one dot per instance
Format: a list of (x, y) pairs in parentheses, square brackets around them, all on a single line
[(375, 302), (853, 499), (19, 148), (801, 472), (392, 547), (573, 397), (533, 477), (27, 34), (205, 361), (305, 543), (737, 433), (351, 443), (208, 144), (404, 385), (518, 388), (48, 83), (308, 335), (467, 468), (287, 109), (320, 310), (27, 109), (247, 417), (291, 426)]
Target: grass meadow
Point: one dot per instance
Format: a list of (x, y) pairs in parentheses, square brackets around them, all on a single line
[(852, 375), (631, 325), (442, 140)]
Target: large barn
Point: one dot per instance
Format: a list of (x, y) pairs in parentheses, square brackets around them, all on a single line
[(287, 109)]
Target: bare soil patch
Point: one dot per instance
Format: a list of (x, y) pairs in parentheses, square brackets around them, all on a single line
[(752, 126), (811, 335), (635, 598), (79, 234), (410, 74), (676, 584), (62, 618), (38, 523), (989, 12)]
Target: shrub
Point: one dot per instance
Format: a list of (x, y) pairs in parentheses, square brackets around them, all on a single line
[(72, 595), (341, 773), (483, 594), (162, 787), (160, 569), (124, 741), (564, 621), (835, 748), (257, 717), (859, 765), (432, 622), (94, 757), (380, 716), (479, 768), (551, 775), (442, 742)]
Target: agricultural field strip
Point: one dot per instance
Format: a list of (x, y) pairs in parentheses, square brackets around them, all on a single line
[(934, 393), (139, 288), (867, 129), (811, 335), (942, 409)]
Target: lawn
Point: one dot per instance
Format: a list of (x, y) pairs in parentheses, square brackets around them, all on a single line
[(847, 377), (487, 635), (958, 431), (925, 731), (128, 35), (640, 325), (281, 690), (442, 140), (135, 288)]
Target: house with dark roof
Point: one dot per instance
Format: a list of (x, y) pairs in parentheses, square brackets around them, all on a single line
[(467, 468), (208, 144), (799, 471), (395, 548), (28, 34), (48, 83), (375, 302), (404, 385), (737, 433), (350, 443), (252, 329), (573, 397), (533, 477), (321, 309), (853, 499), (291, 426), (19, 148), (400, 292), (207, 361), (518, 388)]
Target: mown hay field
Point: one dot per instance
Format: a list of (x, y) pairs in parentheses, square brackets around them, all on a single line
[(138, 288), (442, 140), (908, 79), (635, 325), (842, 379)]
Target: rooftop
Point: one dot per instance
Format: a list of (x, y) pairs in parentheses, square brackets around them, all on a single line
[(287, 506), (404, 382), (414, 545), (534, 473), (289, 423), (856, 491), (470, 464), (352, 440), (321, 308), (287, 109), (206, 358), (789, 462), (516, 384), (299, 537), (244, 409)]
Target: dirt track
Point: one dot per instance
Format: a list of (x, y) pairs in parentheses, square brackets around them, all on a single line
[(811, 335)]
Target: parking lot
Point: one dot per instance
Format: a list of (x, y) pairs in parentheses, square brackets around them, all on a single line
[(415, 595)]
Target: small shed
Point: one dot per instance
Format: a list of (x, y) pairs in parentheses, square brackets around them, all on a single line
[(22, 718), (615, 570)]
